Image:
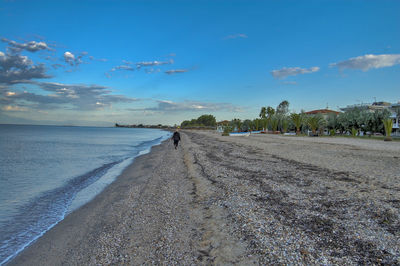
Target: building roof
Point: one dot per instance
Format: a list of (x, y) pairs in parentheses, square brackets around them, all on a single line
[(225, 122), (322, 111)]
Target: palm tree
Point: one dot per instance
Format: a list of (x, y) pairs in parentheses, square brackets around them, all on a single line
[(264, 123), (388, 124), (297, 121), (315, 121), (285, 124), (270, 111), (263, 112), (238, 124), (274, 123)]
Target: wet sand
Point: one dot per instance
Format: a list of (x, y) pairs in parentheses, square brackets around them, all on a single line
[(261, 199)]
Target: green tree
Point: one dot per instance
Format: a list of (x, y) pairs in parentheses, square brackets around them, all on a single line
[(315, 122), (247, 125), (274, 123), (297, 120), (263, 112), (285, 124), (257, 124), (283, 108), (270, 112), (388, 124), (185, 123), (378, 117), (207, 120), (332, 121), (264, 123), (236, 123)]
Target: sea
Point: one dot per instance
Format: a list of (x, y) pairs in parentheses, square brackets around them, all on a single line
[(46, 172)]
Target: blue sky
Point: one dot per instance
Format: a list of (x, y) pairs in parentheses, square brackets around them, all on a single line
[(101, 62)]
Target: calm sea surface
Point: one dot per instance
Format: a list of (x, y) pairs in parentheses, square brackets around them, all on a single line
[(48, 171)]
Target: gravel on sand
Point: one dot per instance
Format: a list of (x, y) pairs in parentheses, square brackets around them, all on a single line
[(262, 199)]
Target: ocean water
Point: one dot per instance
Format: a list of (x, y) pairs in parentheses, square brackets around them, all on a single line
[(47, 172)]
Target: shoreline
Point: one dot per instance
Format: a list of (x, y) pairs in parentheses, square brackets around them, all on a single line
[(222, 200), (72, 217)]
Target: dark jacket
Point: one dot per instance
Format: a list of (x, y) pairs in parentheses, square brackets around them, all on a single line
[(176, 136)]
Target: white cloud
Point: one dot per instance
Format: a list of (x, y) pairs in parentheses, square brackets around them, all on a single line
[(73, 60), (66, 96), (369, 61), (31, 46), (175, 71), (170, 106), (153, 63), (123, 67), (235, 36), (292, 71), (69, 58), (15, 68)]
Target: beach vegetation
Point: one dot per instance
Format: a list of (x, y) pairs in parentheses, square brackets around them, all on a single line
[(236, 124), (297, 120), (388, 124), (315, 122), (265, 123), (332, 121), (227, 130), (284, 124), (274, 123), (263, 112), (203, 121), (354, 132), (257, 124), (270, 112), (247, 125), (282, 108)]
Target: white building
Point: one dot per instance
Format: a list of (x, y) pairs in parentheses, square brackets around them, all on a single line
[(393, 108)]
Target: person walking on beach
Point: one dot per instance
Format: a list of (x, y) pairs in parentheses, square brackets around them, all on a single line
[(176, 137)]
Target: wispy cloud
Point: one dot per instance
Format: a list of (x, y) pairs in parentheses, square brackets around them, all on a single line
[(170, 106), (235, 36), (15, 68), (147, 65), (64, 96), (369, 61), (153, 63), (123, 67), (292, 71), (73, 60), (152, 70), (176, 71), (97, 59), (31, 46)]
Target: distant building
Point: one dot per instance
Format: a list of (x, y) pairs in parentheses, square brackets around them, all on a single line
[(367, 106), (324, 112), (393, 108), (221, 125)]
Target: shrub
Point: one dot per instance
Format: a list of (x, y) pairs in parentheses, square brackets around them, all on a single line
[(388, 124), (227, 130), (354, 132)]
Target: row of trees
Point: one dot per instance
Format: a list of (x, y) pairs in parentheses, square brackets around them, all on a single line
[(281, 120), (204, 121)]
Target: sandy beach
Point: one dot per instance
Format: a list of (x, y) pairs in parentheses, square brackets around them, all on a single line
[(263, 199)]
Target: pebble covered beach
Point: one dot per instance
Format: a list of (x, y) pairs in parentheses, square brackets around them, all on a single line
[(263, 199)]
